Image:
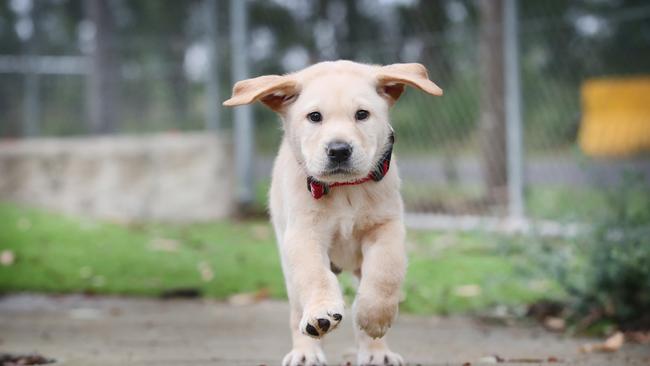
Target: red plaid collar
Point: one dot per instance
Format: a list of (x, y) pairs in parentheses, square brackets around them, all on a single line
[(319, 189)]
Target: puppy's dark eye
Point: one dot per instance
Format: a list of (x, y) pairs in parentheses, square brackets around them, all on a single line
[(361, 115), (315, 117)]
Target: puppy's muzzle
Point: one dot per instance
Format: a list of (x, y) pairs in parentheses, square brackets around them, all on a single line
[(338, 152)]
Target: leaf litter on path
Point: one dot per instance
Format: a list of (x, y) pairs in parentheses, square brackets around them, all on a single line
[(499, 359), (611, 344), (249, 298), (7, 359)]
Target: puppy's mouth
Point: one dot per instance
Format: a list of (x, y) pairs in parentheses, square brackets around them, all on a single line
[(338, 173), (338, 170)]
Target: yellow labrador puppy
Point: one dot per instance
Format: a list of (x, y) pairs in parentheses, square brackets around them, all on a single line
[(335, 201)]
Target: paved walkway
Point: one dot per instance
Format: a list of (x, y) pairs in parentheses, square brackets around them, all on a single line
[(89, 331)]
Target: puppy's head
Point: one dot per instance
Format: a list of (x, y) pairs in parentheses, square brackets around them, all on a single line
[(335, 114)]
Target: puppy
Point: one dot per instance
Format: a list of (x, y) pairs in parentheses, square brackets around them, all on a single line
[(334, 200)]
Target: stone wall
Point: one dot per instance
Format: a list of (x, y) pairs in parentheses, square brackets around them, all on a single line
[(165, 177)]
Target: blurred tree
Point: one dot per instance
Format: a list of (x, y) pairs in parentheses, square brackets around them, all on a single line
[(590, 38), (32, 99), (492, 111), (427, 22), (9, 41), (285, 32), (358, 36), (563, 41), (158, 35), (104, 75), (9, 44)]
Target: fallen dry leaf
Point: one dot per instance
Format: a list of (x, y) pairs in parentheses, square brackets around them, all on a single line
[(499, 359), (470, 290), (163, 245), (615, 342), (587, 348), (249, 298), (638, 337), (491, 359), (7, 258), (261, 232), (207, 274), (611, 344), (554, 323), (34, 359), (523, 360)]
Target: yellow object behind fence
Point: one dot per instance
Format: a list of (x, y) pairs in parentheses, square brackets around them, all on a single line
[(615, 116)]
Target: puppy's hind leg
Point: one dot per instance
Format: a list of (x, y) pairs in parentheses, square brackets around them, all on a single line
[(374, 351), (375, 307)]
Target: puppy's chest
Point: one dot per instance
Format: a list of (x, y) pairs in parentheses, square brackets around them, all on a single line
[(352, 220), (345, 250)]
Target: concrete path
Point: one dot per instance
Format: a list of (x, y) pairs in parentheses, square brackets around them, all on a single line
[(97, 331)]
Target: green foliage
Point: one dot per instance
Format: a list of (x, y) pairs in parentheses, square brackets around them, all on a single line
[(562, 203), (617, 282), (606, 272)]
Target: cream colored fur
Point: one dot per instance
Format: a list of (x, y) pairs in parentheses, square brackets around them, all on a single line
[(358, 228)]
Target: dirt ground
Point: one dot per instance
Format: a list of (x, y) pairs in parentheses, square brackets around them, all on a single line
[(81, 331)]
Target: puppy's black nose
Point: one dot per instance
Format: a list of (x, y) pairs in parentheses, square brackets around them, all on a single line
[(339, 151)]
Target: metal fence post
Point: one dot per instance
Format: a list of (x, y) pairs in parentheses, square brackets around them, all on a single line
[(32, 105), (213, 106), (32, 98), (243, 123), (514, 139)]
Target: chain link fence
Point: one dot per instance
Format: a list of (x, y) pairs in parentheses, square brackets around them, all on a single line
[(154, 59)]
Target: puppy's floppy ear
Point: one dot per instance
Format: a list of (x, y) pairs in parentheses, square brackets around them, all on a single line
[(273, 90), (392, 78)]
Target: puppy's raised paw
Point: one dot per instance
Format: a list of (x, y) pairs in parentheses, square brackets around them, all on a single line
[(318, 320), (308, 356)]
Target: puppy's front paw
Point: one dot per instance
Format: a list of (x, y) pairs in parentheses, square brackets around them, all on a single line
[(319, 318), (375, 315), (376, 357), (307, 356)]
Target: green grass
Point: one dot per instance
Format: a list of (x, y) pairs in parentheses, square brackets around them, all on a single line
[(60, 254), (442, 264), (63, 254), (564, 203)]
